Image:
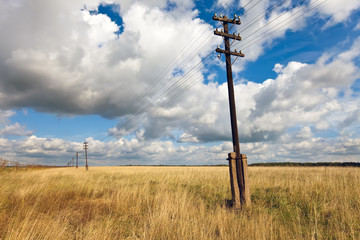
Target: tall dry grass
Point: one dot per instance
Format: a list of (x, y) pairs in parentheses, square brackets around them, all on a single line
[(178, 203)]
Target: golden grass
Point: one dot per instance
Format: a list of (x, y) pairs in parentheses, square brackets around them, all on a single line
[(178, 203)]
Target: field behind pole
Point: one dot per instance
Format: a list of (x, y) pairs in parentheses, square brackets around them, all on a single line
[(179, 203)]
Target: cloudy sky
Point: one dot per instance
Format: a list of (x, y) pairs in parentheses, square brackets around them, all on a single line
[(141, 82)]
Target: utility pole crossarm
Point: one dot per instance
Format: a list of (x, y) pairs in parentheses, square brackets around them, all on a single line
[(238, 54), (232, 36), (227, 20)]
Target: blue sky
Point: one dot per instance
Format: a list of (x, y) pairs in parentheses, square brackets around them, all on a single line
[(141, 82)]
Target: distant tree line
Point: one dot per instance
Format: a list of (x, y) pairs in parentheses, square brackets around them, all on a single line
[(7, 165), (308, 164)]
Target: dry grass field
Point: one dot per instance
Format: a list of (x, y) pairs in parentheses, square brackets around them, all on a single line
[(178, 203)]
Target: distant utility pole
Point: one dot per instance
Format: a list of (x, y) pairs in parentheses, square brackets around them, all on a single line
[(86, 148), (72, 162), (237, 162), (77, 158)]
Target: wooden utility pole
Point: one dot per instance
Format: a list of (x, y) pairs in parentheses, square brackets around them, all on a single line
[(237, 162), (86, 148), (72, 162), (77, 158)]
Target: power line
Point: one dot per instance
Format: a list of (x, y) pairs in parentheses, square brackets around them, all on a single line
[(259, 17), (260, 37), (171, 85), (172, 63), (295, 14), (136, 109), (244, 38), (254, 5), (171, 89)]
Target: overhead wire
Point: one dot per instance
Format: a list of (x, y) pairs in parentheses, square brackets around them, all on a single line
[(168, 67), (185, 64), (136, 108), (138, 111), (253, 5), (277, 27), (296, 14), (183, 79), (172, 64), (259, 17), (283, 13), (170, 89), (172, 95)]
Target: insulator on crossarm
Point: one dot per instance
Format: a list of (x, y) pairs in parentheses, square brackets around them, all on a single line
[(218, 47), (235, 16), (236, 50), (220, 15), (215, 15), (219, 56)]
